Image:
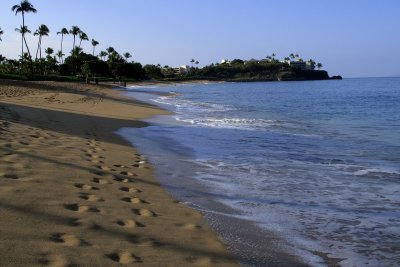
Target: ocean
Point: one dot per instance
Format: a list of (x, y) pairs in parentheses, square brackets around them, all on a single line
[(312, 168)]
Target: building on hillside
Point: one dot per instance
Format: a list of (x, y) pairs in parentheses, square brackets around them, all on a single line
[(184, 69), (302, 65)]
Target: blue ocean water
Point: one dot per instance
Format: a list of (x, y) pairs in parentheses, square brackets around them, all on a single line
[(316, 163)]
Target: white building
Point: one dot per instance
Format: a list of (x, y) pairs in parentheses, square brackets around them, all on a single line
[(302, 65), (184, 69)]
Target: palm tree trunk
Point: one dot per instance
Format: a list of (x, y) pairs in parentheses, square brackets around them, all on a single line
[(40, 49), (73, 57), (22, 46), (27, 48), (62, 37), (37, 50), (29, 53), (40, 53), (23, 34), (93, 50)]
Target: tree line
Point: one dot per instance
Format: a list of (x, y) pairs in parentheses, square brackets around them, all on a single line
[(108, 63), (111, 64)]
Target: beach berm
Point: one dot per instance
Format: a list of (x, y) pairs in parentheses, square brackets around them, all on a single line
[(72, 192)]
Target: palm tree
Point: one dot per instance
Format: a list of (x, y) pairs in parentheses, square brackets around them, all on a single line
[(103, 55), (50, 60), (74, 31), (49, 51), (60, 55), (24, 7), (192, 61), (43, 30), (319, 65), (196, 62), (1, 33), (76, 51), (126, 56), (111, 51), (23, 30), (83, 36), (292, 56), (94, 43), (62, 32)]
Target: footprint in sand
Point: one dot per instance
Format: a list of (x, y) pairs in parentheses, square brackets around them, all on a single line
[(134, 200), (100, 181), (86, 187), (127, 173), (129, 223), (130, 189), (68, 240), (123, 257), (95, 161), (91, 197), (151, 242), (81, 208), (123, 180), (55, 260), (188, 226), (93, 156), (74, 222), (201, 261), (144, 212), (120, 166), (9, 176), (103, 167)]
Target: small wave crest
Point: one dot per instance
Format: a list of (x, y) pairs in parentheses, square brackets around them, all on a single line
[(183, 105), (233, 123), (372, 172)]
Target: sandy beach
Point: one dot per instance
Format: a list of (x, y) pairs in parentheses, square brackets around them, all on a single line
[(73, 193)]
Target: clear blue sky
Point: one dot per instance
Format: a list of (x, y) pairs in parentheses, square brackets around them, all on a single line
[(355, 38)]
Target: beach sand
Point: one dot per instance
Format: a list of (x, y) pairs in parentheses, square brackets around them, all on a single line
[(73, 193)]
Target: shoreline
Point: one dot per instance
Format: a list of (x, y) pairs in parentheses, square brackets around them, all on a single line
[(74, 192), (228, 222)]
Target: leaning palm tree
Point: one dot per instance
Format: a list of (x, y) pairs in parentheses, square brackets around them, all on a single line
[(43, 30), (63, 32), (23, 7), (24, 30), (126, 56), (1, 33), (94, 43), (74, 31), (83, 36)]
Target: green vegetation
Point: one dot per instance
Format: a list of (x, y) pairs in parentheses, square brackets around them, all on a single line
[(109, 64)]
